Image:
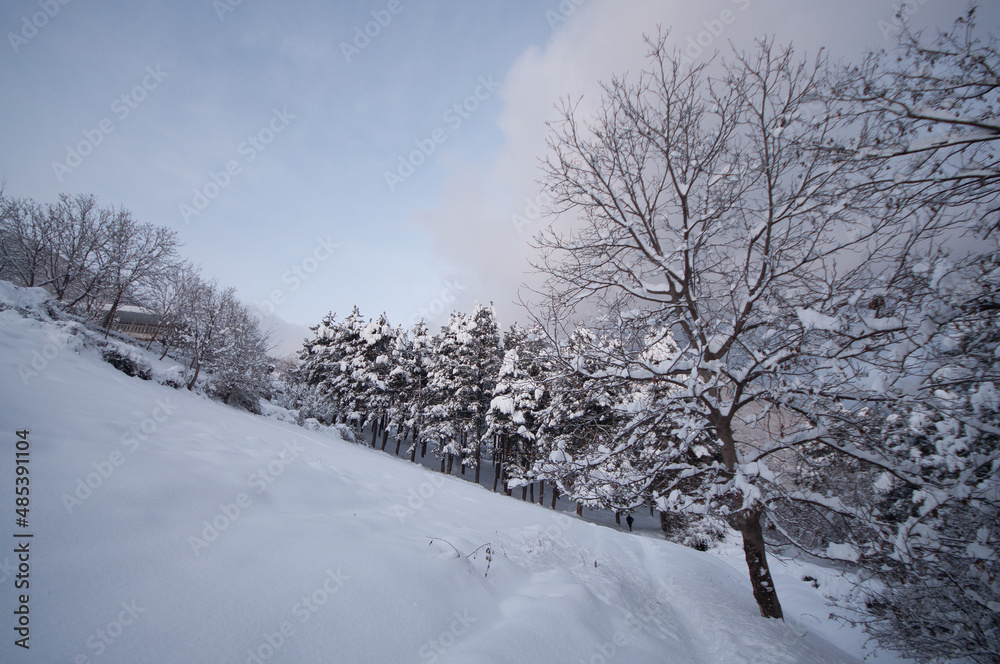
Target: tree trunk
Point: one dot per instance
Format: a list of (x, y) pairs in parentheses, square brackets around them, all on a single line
[(385, 431), (579, 509), (555, 496), (152, 338), (524, 493), (618, 518), (194, 378), (478, 459), (760, 575), (109, 318), (451, 462), (531, 491), (541, 492), (665, 523), (443, 462), (753, 537)]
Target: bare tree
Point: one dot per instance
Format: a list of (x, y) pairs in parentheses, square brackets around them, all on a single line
[(131, 254), (27, 241), (168, 293), (81, 252), (55, 247), (202, 325), (239, 366), (718, 212)]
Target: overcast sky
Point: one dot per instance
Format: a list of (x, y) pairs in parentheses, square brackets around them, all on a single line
[(318, 155)]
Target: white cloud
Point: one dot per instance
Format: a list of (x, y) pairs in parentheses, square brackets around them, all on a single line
[(473, 224)]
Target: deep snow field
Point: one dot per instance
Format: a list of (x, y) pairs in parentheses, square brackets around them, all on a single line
[(170, 528)]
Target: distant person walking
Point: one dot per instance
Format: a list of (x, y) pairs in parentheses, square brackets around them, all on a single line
[(629, 520)]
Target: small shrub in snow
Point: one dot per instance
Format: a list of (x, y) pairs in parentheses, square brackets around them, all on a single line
[(699, 532), (346, 432), (127, 363), (236, 394), (172, 377)]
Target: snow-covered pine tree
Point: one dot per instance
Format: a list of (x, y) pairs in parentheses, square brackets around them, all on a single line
[(487, 352), (400, 385), (415, 360), (579, 424), (310, 394), (622, 444), (514, 337), (513, 417), (453, 385), (328, 363), (342, 382), (371, 368)]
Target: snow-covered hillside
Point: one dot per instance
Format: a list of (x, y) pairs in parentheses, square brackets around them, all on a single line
[(170, 528)]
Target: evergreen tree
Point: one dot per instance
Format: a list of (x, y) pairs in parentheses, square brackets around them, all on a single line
[(371, 369), (454, 384), (414, 358), (579, 425), (513, 416), (487, 355)]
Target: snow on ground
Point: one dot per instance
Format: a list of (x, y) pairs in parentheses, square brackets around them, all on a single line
[(169, 528)]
